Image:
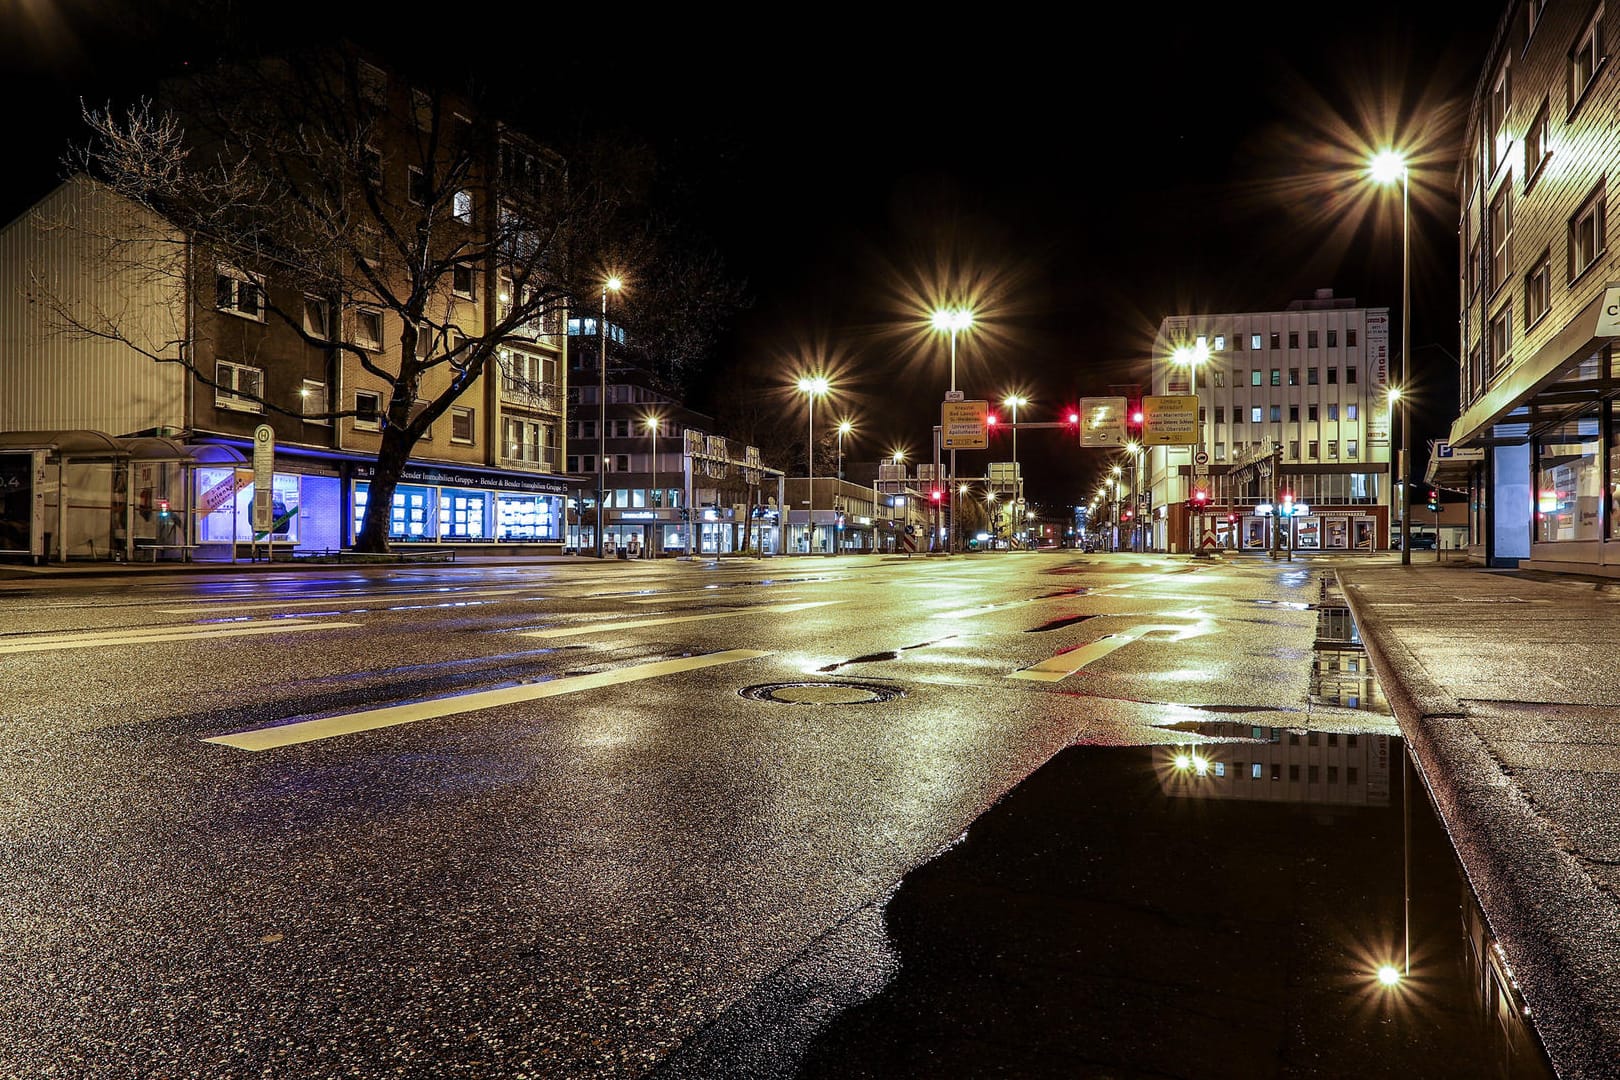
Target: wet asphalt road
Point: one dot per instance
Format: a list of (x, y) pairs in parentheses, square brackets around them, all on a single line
[(520, 820)]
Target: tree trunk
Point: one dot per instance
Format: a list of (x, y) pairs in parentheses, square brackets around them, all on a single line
[(373, 538)]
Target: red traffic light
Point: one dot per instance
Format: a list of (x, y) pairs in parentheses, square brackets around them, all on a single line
[(1136, 416), (990, 419), (934, 495), (1232, 518), (1200, 496), (1074, 418)]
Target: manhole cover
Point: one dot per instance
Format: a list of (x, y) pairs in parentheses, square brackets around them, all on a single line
[(820, 693)]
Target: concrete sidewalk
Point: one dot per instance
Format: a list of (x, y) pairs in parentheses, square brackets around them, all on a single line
[(1506, 685)]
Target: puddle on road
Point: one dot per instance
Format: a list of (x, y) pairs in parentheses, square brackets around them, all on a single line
[(1219, 909), (1114, 915)]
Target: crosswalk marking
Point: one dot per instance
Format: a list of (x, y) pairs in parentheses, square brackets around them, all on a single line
[(631, 624), (327, 727), (147, 635)]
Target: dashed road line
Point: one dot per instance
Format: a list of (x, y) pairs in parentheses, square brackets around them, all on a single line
[(633, 624), (145, 636)]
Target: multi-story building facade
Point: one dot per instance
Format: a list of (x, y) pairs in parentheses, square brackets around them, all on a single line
[(256, 347), (1539, 304), (1293, 409)]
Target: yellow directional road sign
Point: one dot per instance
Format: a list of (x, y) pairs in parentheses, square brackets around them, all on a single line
[(1170, 420), (962, 425)]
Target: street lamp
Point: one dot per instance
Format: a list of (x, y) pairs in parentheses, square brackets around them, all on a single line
[(652, 422), (812, 387), (953, 321), (1012, 401), (1386, 168), (612, 284), (844, 428), (1192, 356)]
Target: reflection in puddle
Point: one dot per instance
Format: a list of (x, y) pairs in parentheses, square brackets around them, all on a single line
[(1340, 671), (1114, 915)]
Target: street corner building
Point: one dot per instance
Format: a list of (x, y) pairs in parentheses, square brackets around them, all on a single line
[(1536, 443)]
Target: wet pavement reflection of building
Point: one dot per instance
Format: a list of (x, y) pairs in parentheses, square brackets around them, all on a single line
[(1116, 915)]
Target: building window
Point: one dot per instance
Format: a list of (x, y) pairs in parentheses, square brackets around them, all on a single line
[(1350, 337), (1538, 289), (1501, 339), (1293, 414), (1333, 449), (371, 166), (1350, 412), (1220, 342), (1255, 377), (313, 397), (367, 410), (1256, 414), (1501, 113), (239, 293), (1293, 449), (1536, 152), (1586, 234), (1350, 448), (463, 280), (524, 440), (1293, 376), (1311, 340), (1310, 449), (1220, 451), (1501, 236), (1333, 412), (1276, 339), (317, 318), (1333, 376), (367, 329), (1254, 341), (1333, 338), (416, 186), (1276, 376), (1586, 58), (1311, 412), (1220, 414), (422, 109), (1350, 375), (1276, 414), (1293, 339), (238, 387), (461, 424), (368, 246), (373, 84), (461, 207)]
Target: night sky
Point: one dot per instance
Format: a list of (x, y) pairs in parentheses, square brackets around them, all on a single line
[(1079, 180)]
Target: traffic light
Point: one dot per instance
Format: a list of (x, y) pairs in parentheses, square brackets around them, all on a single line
[(1126, 514), (991, 419), (935, 495), (1232, 519), (1434, 499), (1133, 419), (1200, 497)]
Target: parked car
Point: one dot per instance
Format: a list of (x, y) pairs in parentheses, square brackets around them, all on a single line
[(1420, 541)]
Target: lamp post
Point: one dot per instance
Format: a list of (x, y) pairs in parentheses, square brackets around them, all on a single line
[(1013, 401), (1192, 356), (812, 387), (953, 321), (1386, 168), (612, 284), (652, 423)]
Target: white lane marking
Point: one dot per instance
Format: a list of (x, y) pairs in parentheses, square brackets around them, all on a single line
[(694, 596), (303, 731), (1065, 664), (631, 624), (108, 639), (344, 599)]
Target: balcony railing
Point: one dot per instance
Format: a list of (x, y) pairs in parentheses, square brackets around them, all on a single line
[(533, 394), (545, 463)]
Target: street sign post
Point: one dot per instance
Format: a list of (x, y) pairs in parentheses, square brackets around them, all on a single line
[(264, 471), (1102, 421), (1170, 420), (963, 425)]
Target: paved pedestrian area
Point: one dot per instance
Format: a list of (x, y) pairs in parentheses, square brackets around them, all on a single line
[(1505, 685)]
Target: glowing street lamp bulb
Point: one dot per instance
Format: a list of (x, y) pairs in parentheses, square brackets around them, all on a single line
[(953, 319), (613, 284), (1200, 765), (652, 422), (816, 385), (1183, 762), (845, 427), (1389, 975), (1394, 394), (1387, 167)]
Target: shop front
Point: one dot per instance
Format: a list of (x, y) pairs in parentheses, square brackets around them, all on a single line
[(451, 504)]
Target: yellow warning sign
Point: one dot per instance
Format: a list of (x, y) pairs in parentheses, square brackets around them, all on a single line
[(963, 425)]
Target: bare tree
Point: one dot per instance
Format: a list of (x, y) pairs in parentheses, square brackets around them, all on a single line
[(289, 172)]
